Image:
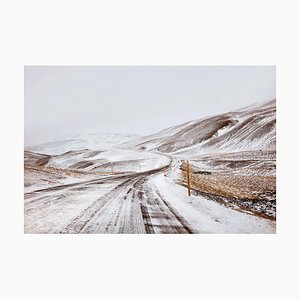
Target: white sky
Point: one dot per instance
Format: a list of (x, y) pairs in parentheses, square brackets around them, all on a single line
[(67, 100)]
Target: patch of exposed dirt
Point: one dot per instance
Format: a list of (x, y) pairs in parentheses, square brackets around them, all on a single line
[(81, 165)]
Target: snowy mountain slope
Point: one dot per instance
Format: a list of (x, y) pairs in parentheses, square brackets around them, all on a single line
[(154, 140), (119, 160), (252, 128), (81, 142)]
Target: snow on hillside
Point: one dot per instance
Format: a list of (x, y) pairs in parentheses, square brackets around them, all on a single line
[(252, 128), (154, 140), (119, 159), (81, 142)]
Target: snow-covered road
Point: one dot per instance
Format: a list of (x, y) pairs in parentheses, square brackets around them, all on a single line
[(145, 202)]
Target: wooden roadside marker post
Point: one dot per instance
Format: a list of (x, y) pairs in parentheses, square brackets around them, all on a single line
[(112, 169), (188, 177), (165, 171)]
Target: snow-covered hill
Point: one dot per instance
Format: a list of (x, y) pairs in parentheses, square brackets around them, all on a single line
[(251, 128), (81, 142)]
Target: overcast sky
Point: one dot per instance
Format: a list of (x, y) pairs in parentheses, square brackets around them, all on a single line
[(61, 101)]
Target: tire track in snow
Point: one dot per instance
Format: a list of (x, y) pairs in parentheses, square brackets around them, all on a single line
[(158, 215), (133, 206), (88, 215)]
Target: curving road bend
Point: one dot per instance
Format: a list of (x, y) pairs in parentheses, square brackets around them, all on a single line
[(132, 205)]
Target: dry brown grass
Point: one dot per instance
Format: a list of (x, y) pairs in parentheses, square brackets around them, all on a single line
[(234, 186)]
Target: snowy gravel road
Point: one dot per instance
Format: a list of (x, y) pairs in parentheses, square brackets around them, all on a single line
[(145, 202), (134, 206), (131, 205)]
